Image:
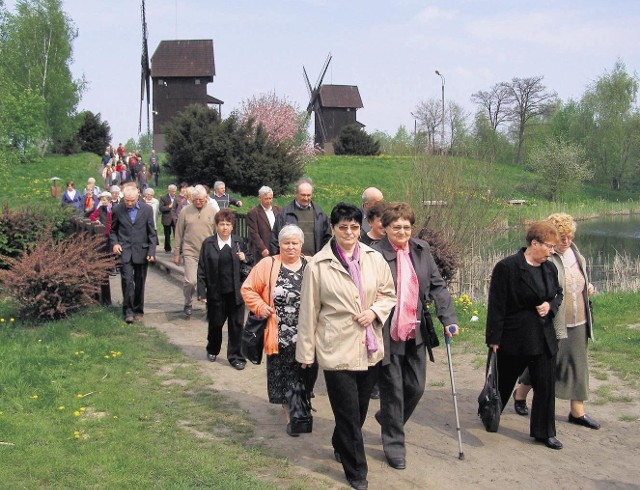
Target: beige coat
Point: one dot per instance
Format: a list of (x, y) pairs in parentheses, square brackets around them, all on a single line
[(329, 301)]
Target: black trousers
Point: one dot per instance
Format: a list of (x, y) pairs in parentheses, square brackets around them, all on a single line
[(542, 368), (401, 383), (349, 393), (225, 311), (133, 277), (167, 235)]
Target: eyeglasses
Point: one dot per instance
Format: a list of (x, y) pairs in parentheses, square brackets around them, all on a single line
[(345, 228), (549, 246), (398, 228)]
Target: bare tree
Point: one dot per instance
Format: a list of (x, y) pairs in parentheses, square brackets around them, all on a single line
[(429, 116), (529, 99), (496, 102)]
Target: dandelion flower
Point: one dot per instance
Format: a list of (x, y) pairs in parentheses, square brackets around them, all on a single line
[(1, 320), (12, 319), (82, 409), (76, 413), (76, 434), (61, 407), (79, 395), (34, 397)]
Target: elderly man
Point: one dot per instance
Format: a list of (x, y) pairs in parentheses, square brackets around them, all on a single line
[(133, 238), (305, 214), (154, 167), (260, 221), (224, 200), (370, 196), (195, 223), (168, 204)]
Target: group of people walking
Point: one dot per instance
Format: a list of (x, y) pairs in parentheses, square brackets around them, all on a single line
[(354, 293)]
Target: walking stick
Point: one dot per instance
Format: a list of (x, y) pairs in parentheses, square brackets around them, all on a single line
[(447, 341)]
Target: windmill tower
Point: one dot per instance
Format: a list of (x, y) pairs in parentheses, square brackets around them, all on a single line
[(334, 107)]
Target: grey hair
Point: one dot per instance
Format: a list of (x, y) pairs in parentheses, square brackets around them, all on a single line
[(265, 189), (131, 191), (199, 190), (290, 231), (218, 183), (172, 187), (149, 190), (304, 180)]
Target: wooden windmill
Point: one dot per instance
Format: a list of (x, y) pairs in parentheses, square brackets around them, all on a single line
[(334, 107)]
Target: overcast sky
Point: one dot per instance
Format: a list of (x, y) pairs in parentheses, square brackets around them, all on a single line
[(390, 49)]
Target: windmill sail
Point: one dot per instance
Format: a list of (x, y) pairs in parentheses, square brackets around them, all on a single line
[(145, 73)]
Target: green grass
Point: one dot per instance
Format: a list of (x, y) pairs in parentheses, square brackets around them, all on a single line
[(91, 402)]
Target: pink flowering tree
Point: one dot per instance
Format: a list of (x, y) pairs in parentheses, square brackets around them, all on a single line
[(282, 121)]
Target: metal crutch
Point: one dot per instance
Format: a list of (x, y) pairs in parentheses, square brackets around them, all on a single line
[(447, 341)]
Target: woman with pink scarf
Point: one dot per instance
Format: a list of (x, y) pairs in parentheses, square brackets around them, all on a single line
[(406, 332), (347, 294)]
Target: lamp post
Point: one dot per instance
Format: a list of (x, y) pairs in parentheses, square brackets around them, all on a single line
[(442, 135)]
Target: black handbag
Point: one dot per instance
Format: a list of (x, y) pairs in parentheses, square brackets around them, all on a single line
[(252, 343), (429, 333), (252, 339), (489, 402), (245, 270), (300, 417)]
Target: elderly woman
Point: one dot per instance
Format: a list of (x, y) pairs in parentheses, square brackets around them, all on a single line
[(406, 339), (574, 326), (524, 297), (347, 295), (150, 199), (374, 218), (219, 287), (272, 291)]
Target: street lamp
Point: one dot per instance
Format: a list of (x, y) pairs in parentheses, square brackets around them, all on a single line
[(442, 135)]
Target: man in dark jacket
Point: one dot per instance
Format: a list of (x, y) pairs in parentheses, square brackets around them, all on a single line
[(133, 238), (308, 216), (260, 221)]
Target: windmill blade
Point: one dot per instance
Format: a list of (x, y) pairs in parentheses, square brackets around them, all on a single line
[(323, 72), (145, 72), (320, 119), (306, 79)]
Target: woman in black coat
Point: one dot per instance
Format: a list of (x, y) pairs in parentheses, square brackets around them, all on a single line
[(219, 283), (524, 296)]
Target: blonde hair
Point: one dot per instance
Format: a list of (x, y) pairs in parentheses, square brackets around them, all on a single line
[(563, 222)]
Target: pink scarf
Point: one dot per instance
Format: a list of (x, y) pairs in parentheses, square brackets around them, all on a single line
[(353, 265), (403, 323)]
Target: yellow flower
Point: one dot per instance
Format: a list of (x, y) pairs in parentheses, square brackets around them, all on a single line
[(82, 409), (34, 397), (76, 413), (61, 407), (79, 395), (76, 434), (1, 320), (12, 319)]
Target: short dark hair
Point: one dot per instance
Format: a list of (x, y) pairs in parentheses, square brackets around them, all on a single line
[(225, 214), (345, 212), (377, 210), (396, 211)]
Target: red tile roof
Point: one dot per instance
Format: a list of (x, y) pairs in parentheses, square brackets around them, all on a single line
[(183, 58)]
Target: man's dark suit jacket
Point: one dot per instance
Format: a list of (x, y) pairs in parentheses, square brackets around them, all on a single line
[(138, 240), (259, 230), (512, 320), (167, 210)]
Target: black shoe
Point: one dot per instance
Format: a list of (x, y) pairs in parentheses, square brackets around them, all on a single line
[(289, 429), (585, 421), (128, 319), (359, 484), (520, 406), (212, 357), (187, 310), (375, 393), (336, 455), (550, 442), (239, 365), (397, 463)]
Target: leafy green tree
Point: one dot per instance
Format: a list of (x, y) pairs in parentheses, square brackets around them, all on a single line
[(202, 148), (35, 53), (353, 140), (94, 135), (610, 121), (561, 166), (21, 121)]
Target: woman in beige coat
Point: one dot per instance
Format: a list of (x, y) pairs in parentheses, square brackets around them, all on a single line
[(347, 295)]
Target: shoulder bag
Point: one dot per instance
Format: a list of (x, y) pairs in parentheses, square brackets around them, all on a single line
[(489, 402), (252, 341)]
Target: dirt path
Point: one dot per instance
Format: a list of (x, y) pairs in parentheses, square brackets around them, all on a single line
[(604, 459)]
